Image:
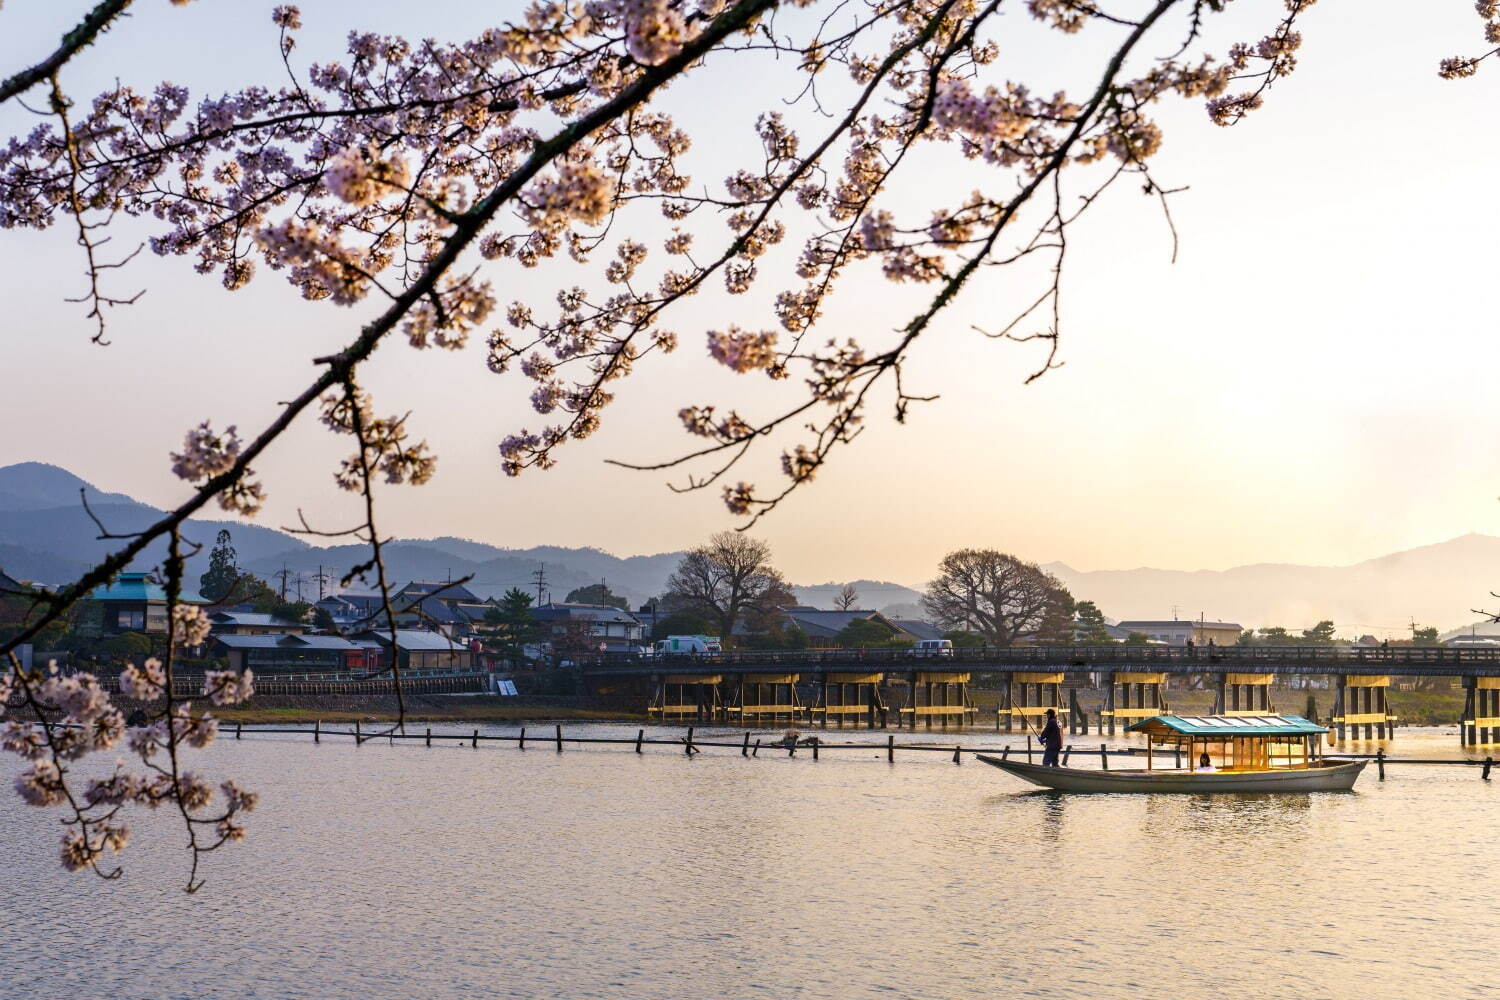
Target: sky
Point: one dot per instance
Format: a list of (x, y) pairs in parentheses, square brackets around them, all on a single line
[(1310, 381)]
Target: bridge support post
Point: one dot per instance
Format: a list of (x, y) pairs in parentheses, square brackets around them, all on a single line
[(1339, 708), (1076, 718), (1107, 714), (1219, 706), (1481, 722), (1467, 734), (1364, 704)]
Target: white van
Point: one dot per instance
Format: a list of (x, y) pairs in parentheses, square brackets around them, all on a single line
[(679, 644), (933, 647)]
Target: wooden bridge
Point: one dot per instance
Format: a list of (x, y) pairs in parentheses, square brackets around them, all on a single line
[(877, 686)]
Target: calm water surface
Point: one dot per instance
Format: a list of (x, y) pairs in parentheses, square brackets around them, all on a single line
[(448, 872)]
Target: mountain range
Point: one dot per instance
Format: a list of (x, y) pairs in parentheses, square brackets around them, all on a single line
[(47, 535), (1443, 584)]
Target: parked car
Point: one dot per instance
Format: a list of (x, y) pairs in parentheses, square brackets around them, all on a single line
[(933, 647)]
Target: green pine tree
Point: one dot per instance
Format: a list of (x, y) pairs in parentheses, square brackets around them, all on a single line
[(219, 580)]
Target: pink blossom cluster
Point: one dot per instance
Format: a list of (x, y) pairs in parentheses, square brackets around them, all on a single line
[(1462, 67), (74, 717), (190, 625), (655, 30), (225, 687), (381, 442), (742, 350), (362, 176), (206, 454)]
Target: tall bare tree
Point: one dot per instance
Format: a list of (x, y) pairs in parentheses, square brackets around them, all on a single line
[(730, 580), (847, 599), (993, 594)]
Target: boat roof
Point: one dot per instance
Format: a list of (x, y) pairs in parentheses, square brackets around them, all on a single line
[(1228, 726)]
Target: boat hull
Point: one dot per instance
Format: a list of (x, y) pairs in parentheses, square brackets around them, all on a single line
[(1328, 777)]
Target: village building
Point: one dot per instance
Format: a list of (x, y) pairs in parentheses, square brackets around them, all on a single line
[(590, 625), (134, 602), (252, 623), (299, 654), (454, 618), (918, 629), (416, 650), (1180, 633), (823, 627), (351, 611)]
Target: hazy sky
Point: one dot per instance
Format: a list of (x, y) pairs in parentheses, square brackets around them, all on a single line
[(1311, 381)]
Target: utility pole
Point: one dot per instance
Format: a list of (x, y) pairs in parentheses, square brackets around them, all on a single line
[(283, 575), (322, 579), (539, 580), (1175, 609)]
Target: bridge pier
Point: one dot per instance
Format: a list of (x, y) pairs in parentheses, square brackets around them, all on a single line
[(834, 698), (1361, 701), (1150, 696), (940, 694), (1039, 692), (685, 696), (1481, 721), (1078, 720), (751, 705), (1107, 713), (1249, 694)]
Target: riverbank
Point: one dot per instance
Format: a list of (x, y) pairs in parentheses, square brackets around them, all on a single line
[(296, 709)]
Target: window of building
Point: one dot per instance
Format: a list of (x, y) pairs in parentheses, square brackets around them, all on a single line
[(131, 620)]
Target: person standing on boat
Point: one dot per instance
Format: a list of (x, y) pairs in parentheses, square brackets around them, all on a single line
[(1051, 740)]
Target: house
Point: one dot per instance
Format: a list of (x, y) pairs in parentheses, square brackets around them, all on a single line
[(416, 590), (454, 618), (134, 602), (10, 585), (650, 615), (352, 610), (917, 628), (1180, 633), (416, 650), (595, 624), (302, 654), (823, 626), (252, 623)]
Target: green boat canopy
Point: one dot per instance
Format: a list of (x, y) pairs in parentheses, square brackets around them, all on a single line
[(1226, 727)]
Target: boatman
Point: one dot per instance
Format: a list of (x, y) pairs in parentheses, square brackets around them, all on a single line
[(1051, 740)]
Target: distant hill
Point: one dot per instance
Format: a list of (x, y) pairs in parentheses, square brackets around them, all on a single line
[(37, 486), (876, 595), (46, 536), (494, 570), (40, 567), (1438, 585)]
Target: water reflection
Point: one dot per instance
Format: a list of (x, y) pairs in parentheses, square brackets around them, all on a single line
[(452, 873)]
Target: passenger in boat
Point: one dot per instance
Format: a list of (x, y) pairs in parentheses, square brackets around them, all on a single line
[(1204, 763), (1051, 740)]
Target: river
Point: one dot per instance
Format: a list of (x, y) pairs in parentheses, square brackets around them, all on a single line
[(402, 871)]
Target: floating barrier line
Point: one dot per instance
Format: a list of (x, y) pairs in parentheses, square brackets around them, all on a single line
[(693, 745)]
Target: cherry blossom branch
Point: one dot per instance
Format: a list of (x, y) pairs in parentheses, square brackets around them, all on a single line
[(94, 23)]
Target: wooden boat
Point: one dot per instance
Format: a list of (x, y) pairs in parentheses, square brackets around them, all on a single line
[(1254, 753)]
